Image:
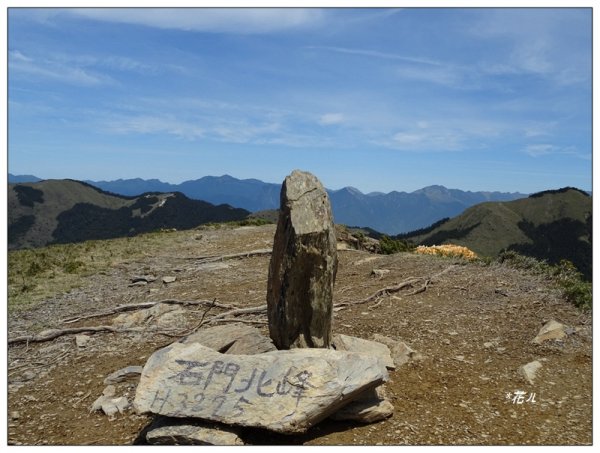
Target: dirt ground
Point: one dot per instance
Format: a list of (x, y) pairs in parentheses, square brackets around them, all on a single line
[(473, 325)]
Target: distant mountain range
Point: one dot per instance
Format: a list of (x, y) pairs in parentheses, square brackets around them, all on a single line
[(391, 213), (551, 225), (63, 211)]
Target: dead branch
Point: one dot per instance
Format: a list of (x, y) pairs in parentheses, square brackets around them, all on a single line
[(251, 253), (382, 292), (246, 321), (143, 305), (51, 334)]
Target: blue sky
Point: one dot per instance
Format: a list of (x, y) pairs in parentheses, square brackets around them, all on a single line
[(378, 99)]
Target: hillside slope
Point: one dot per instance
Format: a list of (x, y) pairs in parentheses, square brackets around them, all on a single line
[(551, 225), (63, 211)]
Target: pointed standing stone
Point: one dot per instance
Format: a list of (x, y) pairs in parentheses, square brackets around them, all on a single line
[(303, 266)]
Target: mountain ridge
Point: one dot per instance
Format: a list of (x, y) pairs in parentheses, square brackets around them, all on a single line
[(65, 211)]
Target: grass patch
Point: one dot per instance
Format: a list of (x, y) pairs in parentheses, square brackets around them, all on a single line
[(564, 275), (35, 275)]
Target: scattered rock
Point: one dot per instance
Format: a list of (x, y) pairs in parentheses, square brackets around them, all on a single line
[(354, 344), (82, 340), (401, 353), (379, 273), (529, 371), (138, 283), (168, 279), (143, 278), (552, 330), (108, 403), (370, 407), (490, 344), (15, 415), (284, 391), (145, 316), (169, 431), (303, 266), (130, 372)]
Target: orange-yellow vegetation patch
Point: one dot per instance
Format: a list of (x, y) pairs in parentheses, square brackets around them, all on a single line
[(447, 250)]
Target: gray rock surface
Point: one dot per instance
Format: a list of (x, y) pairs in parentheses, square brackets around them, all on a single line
[(130, 372), (355, 344), (235, 338), (400, 351), (529, 371), (169, 431), (370, 407), (303, 266), (552, 330), (284, 391)]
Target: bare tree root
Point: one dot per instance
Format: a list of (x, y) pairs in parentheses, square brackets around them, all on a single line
[(396, 288), (251, 253), (52, 334), (143, 305)]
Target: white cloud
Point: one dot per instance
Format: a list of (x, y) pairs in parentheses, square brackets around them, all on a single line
[(216, 20), (331, 118), (544, 149), (155, 125), (49, 69)]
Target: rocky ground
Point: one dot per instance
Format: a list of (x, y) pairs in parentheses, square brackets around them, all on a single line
[(473, 325)]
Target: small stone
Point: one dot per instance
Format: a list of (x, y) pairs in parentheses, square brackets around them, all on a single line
[(28, 375), (109, 390), (529, 370), (81, 340), (400, 351), (446, 341), (552, 330), (379, 273), (168, 279), (138, 283), (143, 278), (130, 372), (490, 344), (15, 415)]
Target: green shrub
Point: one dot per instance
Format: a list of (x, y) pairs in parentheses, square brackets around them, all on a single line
[(389, 245), (575, 289)]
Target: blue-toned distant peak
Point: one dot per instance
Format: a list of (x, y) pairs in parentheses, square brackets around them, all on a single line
[(16, 179)]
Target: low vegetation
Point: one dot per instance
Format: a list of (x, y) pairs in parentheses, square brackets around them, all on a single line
[(565, 275), (448, 250), (35, 275), (389, 245)]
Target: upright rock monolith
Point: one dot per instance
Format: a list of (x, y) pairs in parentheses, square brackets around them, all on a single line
[(303, 266)]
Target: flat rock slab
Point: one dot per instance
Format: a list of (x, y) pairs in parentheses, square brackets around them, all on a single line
[(235, 338), (168, 431), (355, 344), (370, 407), (285, 391), (130, 372)]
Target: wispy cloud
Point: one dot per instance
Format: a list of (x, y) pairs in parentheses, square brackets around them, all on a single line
[(545, 149), (55, 70), (377, 54), (215, 20), (331, 119)]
